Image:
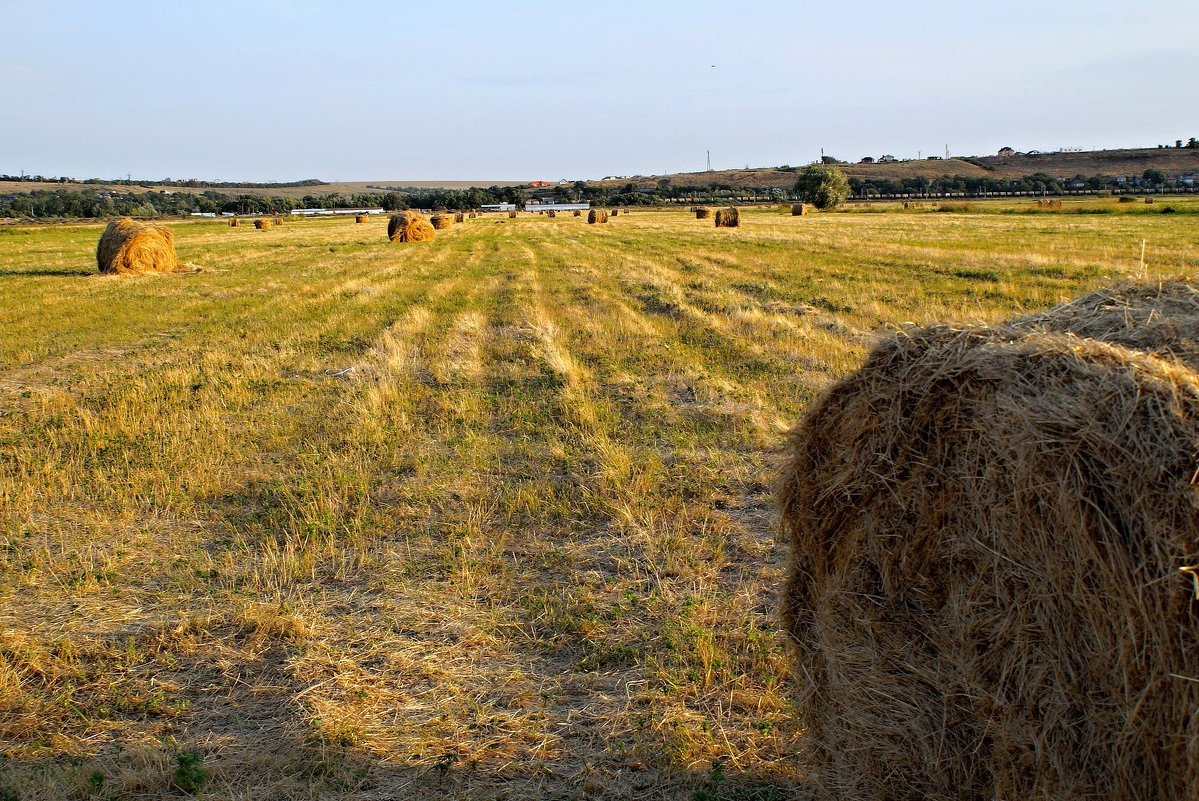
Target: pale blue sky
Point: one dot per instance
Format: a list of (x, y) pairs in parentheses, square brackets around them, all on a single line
[(519, 90)]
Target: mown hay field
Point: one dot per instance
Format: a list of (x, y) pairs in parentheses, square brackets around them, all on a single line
[(482, 517)]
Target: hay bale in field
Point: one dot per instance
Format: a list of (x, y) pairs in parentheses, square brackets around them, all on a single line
[(441, 221), (359, 219), (473, 215), (1149, 200), (551, 213), (728, 218), (578, 212), (409, 226), (512, 215), (702, 213), (127, 246), (799, 210), (277, 221), (459, 217), (597, 216), (232, 222), (989, 528), (260, 223), (615, 212)]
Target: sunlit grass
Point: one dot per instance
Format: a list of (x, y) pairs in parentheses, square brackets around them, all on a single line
[(484, 516)]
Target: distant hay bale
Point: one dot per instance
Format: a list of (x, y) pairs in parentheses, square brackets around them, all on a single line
[(906, 204), (232, 222), (473, 215), (615, 212), (276, 221), (409, 226), (441, 221), (597, 216), (728, 218), (990, 530), (512, 215), (551, 213), (702, 213), (260, 223), (799, 210), (459, 217), (127, 246), (359, 219), (1149, 200), (578, 212)]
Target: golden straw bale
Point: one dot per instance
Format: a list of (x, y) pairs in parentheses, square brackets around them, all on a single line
[(512, 215), (127, 246), (702, 213), (551, 214), (459, 217), (260, 223), (728, 218), (990, 533), (799, 210), (1149, 200), (232, 222), (359, 219), (615, 212), (473, 215), (277, 221), (578, 213), (441, 221), (409, 226), (597, 216)]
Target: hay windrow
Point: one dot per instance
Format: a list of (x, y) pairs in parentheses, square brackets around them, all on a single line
[(727, 218), (409, 226), (127, 246), (987, 530)]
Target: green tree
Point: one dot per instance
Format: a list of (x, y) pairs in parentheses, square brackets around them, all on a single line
[(823, 185), (1154, 177)]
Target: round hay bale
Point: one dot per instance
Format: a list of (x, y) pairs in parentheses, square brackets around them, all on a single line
[(702, 213), (459, 217), (473, 215), (799, 210), (728, 218), (277, 221), (597, 216), (233, 222), (260, 224), (615, 212), (551, 214), (359, 219), (441, 221), (512, 215), (990, 530), (1149, 200), (409, 226), (127, 246), (578, 212)]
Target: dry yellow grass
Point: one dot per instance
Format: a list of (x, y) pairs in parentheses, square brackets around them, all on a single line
[(484, 518)]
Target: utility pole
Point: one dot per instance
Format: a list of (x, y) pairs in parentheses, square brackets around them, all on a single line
[(709, 161)]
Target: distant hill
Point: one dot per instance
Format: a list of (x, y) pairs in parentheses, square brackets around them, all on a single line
[(1129, 163)]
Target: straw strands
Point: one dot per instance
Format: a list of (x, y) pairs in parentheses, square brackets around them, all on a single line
[(409, 226), (127, 246), (989, 530), (727, 218)]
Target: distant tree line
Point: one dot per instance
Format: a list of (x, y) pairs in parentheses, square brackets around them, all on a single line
[(1037, 182), (193, 183)]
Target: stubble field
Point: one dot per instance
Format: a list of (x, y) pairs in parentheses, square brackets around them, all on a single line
[(486, 517)]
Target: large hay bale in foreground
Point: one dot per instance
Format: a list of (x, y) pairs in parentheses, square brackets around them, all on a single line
[(728, 218), (987, 529), (441, 221), (260, 223), (127, 246), (597, 216), (703, 213), (409, 226)]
